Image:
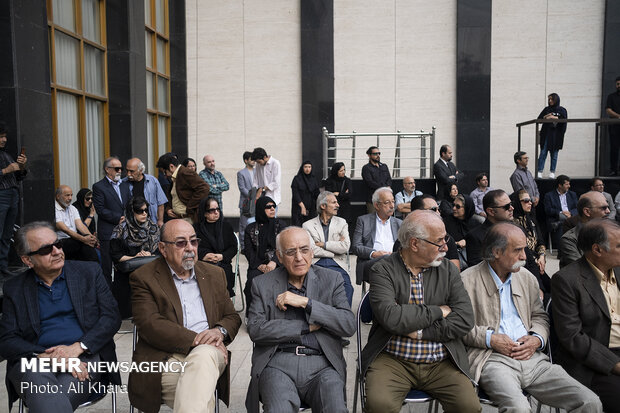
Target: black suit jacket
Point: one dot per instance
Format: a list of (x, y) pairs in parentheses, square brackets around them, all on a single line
[(442, 173), (553, 206), (473, 241), (109, 208), (94, 305), (581, 321)]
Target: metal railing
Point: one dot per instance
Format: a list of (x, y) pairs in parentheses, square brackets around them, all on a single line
[(413, 153)]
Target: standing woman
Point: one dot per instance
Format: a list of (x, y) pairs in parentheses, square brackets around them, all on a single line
[(340, 185), (189, 163), (84, 204), (305, 189), (218, 244), (551, 134)]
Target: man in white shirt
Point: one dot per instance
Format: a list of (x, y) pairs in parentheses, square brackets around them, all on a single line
[(77, 241), (404, 197), (267, 175)]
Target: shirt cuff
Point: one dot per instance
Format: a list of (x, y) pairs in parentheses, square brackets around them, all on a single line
[(370, 255), (542, 346), (488, 338)]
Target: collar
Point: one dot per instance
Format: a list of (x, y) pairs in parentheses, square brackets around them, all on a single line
[(174, 274), (522, 168), (329, 221), (611, 277), (176, 171), (112, 181), (380, 221), (444, 161), (561, 194), (59, 207), (42, 283), (208, 171), (499, 282)]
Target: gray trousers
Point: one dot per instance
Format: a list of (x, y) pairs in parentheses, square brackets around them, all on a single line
[(504, 380), (52, 392), (288, 380)]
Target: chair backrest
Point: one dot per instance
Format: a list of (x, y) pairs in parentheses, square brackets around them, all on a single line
[(364, 313)]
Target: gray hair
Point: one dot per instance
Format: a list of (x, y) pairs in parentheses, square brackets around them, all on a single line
[(107, 162), (141, 167), (59, 191), (21, 242), (284, 231), (322, 200), (497, 239), (379, 191), (412, 228)]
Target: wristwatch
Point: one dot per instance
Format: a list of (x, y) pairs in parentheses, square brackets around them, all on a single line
[(223, 331), (83, 346), (419, 334)]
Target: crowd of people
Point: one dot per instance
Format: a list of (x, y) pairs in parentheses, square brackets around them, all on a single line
[(458, 287)]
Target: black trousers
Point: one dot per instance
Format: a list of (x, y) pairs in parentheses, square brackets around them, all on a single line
[(607, 387), (78, 251)]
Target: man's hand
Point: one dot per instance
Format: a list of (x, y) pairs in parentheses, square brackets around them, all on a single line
[(483, 214), (160, 222), (566, 214), (616, 369), (535, 201), (259, 192), (527, 349), (12, 167), (120, 221), (21, 160), (289, 298), (378, 254), (143, 254), (503, 344), (224, 351), (62, 351), (171, 214), (445, 310), (211, 336), (90, 240), (211, 257), (461, 243), (314, 327), (304, 211), (413, 335), (319, 244), (270, 266)]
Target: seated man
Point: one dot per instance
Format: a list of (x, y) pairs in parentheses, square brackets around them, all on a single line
[(404, 197), (511, 329), (375, 233), (591, 205), (76, 240), (586, 302), (330, 235), (182, 311), (56, 310), (420, 313), (298, 310), (560, 204)]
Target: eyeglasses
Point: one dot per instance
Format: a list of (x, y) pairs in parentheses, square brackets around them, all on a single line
[(116, 168), (457, 206), (602, 208), (504, 207), (446, 239), (375, 153), (46, 249), (434, 209), (526, 200), (140, 210), (213, 210), (292, 252), (270, 206), (182, 243), (88, 198)]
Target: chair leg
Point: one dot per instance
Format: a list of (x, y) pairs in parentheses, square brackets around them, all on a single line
[(113, 401), (241, 292), (355, 391), (21, 405)]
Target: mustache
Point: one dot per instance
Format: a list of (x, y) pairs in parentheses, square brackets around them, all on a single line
[(188, 254), (518, 265)]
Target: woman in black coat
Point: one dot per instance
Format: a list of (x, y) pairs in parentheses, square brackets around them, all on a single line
[(450, 193), (551, 134), (218, 244), (340, 185), (84, 204), (305, 189)]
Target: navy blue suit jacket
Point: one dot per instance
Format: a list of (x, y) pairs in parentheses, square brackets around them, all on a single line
[(109, 208), (553, 207), (93, 302)]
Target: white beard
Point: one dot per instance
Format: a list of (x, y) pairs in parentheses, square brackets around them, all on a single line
[(188, 261), (437, 261), (518, 265)]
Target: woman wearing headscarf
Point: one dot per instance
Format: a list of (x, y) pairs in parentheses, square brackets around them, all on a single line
[(305, 189), (340, 185), (459, 223), (445, 206), (84, 204), (551, 134), (260, 243), (137, 236), (218, 244)]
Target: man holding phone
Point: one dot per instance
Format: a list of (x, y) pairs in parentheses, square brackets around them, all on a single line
[(10, 173)]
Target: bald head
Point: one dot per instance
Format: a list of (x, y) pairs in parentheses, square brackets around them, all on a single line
[(209, 162), (294, 248), (592, 205), (135, 169)]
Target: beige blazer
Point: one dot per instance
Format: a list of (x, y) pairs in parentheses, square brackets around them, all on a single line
[(334, 247), (485, 300)]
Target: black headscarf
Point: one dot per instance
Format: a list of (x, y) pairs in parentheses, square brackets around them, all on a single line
[(308, 180), (79, 203), (470, 208), (530, 225), (266, 227), (210, 231), (333, 174), (145, 236)]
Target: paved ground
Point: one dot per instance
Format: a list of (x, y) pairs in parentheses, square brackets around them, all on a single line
[(241, 361)]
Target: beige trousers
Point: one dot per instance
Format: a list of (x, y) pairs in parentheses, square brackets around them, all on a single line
[(193, 390)]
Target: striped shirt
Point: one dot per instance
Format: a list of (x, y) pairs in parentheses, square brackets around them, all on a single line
[(417, 351)]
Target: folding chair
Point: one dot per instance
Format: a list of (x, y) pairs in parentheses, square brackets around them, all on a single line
[(364, 314), (95, 398)]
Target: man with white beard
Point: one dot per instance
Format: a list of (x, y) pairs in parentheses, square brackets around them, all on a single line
[(183, 314), (109, 198), (421, 311), (511, 330)]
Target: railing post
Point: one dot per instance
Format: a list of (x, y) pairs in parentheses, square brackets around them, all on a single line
[(397, 156), (597, 142), (325, 144), (519, 139), (432, 153), (536, 147), (353, 156), (423, 155)]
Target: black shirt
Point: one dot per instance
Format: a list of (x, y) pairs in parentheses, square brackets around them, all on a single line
[(613, 103), (375, 177), (138, 188)]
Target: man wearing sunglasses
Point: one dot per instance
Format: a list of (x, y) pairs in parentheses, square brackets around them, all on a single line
[(421, 311), (56, 310), (375, 175), (182, 312), (109, 198)]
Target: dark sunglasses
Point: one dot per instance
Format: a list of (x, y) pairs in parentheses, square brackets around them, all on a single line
[(116, 168), (504, 207), (526, 200), (457, 206), (182, 243), (88, 198), (46, 249), (140, 210), (270, 206), (375, 153), (434, 209), (212, 210)]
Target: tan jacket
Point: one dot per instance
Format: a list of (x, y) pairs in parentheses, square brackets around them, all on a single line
[(485, 300), (334, 247)]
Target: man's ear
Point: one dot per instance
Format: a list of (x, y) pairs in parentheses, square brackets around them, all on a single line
[(162, 248), (27, 260)]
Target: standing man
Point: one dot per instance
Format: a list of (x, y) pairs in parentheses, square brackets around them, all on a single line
[(76, 240), (109, 198), (375, 175), (215, 179), (586, 302), (511, 329), (522, 178), (445, 171), (482, 182), (245, 179), (404, 197), (182, 312), (187, 188), (596, 184), (298, 318), (146, 186), (613, 111), (420, 314), (10, 173), (267, 176)]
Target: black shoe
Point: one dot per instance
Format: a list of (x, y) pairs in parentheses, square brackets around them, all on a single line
[(345, 342)]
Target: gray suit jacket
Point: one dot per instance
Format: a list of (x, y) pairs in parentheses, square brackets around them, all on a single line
[(364, 239), (268, 328), (244, 182)]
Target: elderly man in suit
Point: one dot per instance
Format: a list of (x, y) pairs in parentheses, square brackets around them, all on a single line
[(375, 233), (56, 310), (183, 313), (298, 316), (330, 235), (445, 171), (245, 178), (586, 306), (511, 330), (109, 199)]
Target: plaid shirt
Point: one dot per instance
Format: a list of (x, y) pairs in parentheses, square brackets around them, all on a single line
[(217, 184), (418, 351)]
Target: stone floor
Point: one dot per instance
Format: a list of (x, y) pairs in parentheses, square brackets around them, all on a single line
[(241, 361)]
